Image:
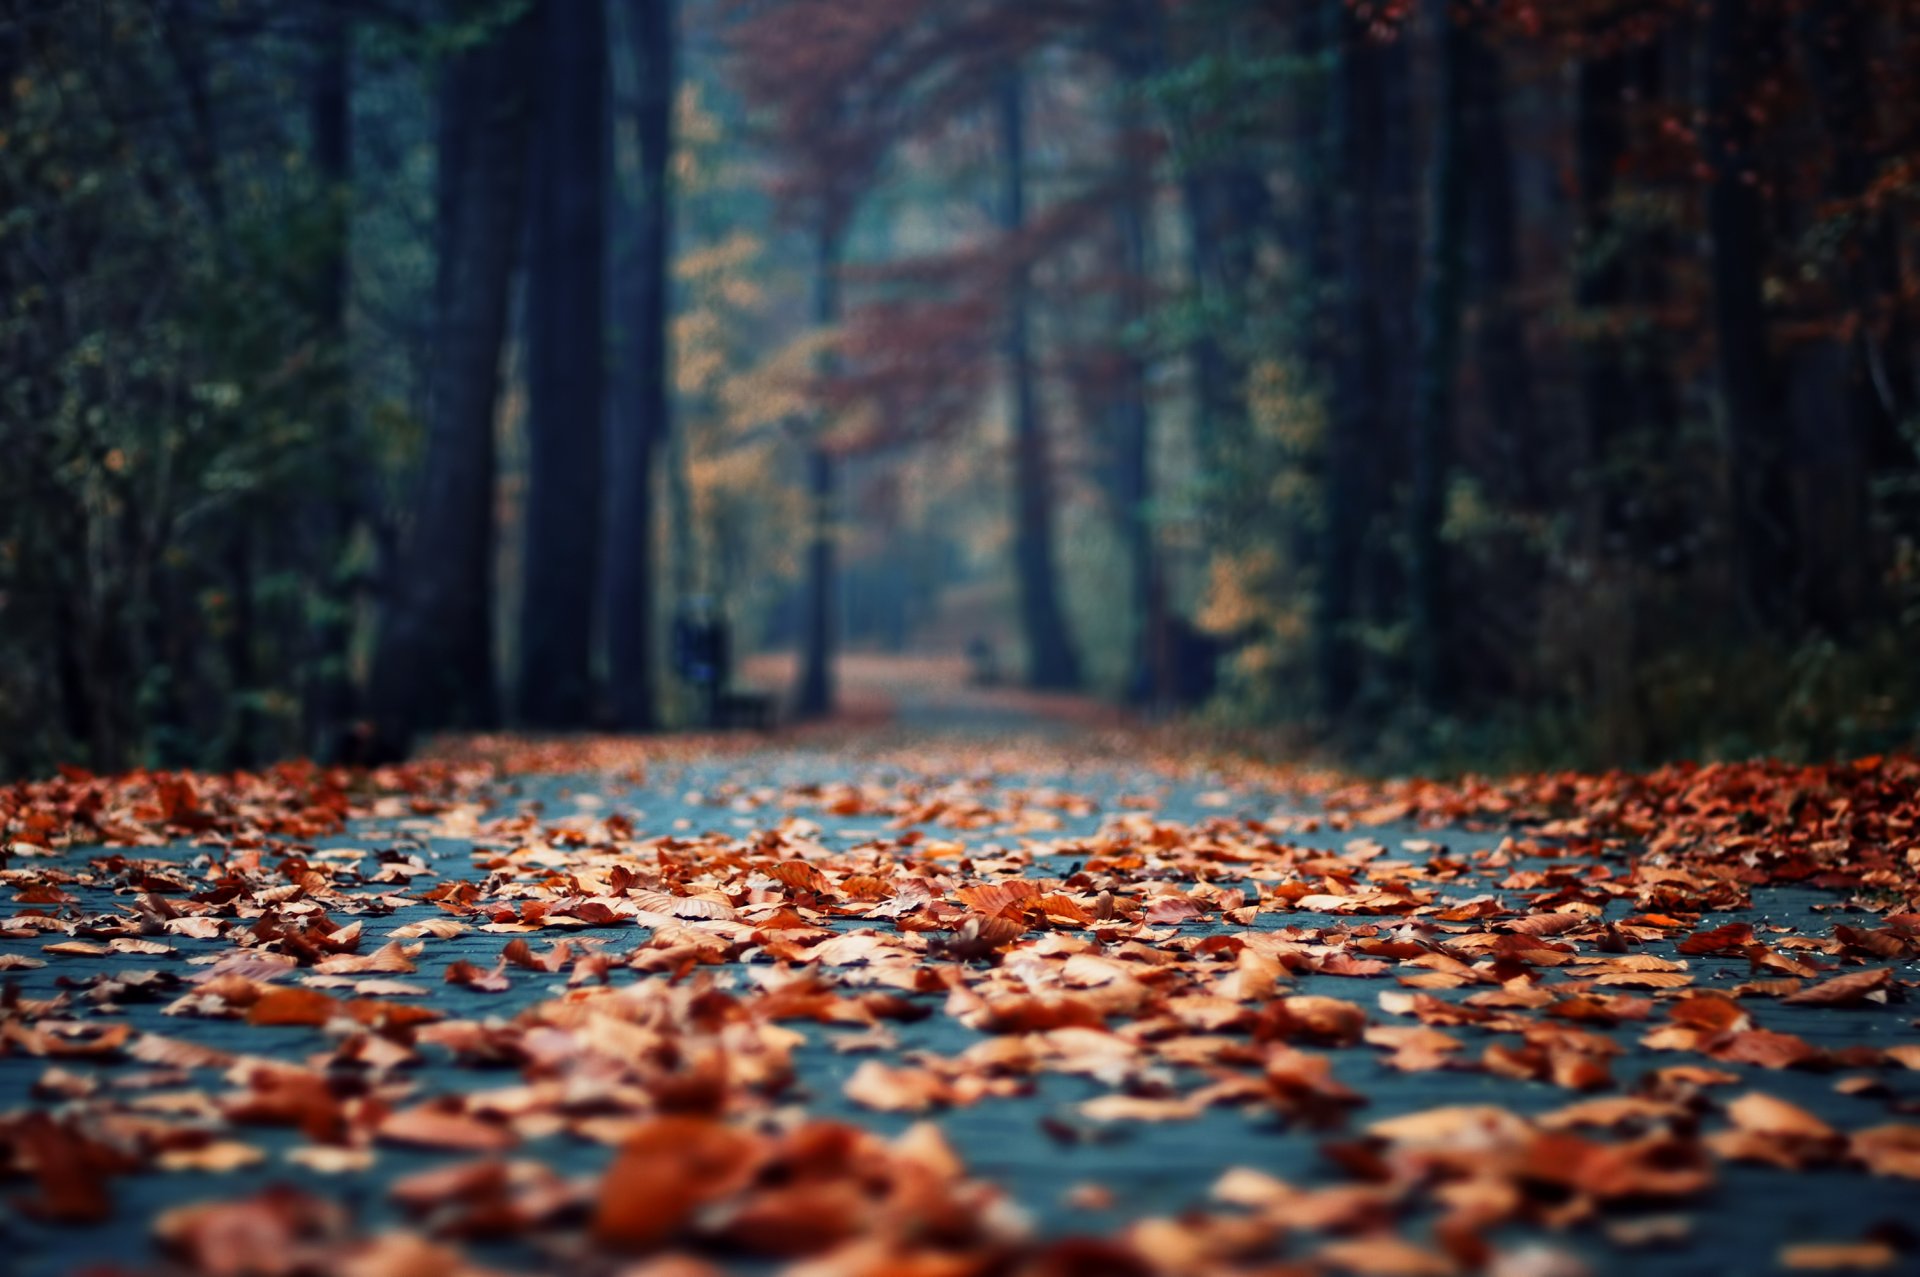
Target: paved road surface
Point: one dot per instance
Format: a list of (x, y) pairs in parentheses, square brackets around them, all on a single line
[(1147, 1168)]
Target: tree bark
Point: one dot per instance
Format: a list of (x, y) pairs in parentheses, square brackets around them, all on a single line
[(646, 414), (1858, 371), (1505, 366), (1137, 41), (1134, 421), (1750, 402), (1051, 659), (1835, 37), (814, 698), (1355, 406), (327, 691), (1223, 208), (434, 666), (1397, 209), (243, 667), (1600, 285), (1442, 287), (565, 372)]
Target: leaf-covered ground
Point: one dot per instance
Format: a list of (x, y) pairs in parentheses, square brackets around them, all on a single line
[(945, 1007)]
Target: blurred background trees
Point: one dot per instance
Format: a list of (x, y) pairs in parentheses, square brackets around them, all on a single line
[(1455, 380)]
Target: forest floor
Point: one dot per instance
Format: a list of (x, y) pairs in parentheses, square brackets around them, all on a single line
[(973, 983)]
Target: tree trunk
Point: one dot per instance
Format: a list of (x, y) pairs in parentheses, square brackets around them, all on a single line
[(1600, 285), (1355, 406), (1201, 200), (1223, 208), (1439, 371), (565, 372), (327, 690), (647, 411), (1857, 371), (1750, 402), (434, 667), (1134, 421), (814, 698), (1396, 207), (1836, 36), (1505, 367), (1137, 41), (243, 671), (1051, 660)]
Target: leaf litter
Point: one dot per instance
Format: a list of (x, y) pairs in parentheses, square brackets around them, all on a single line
[(660, 989)]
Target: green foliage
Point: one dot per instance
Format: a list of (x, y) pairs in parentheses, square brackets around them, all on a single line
[(167, 392)]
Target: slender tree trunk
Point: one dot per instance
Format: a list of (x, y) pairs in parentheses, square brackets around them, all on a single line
[(685, 538), (1201, 200), (1500, 347), (1318, 32), (1051, 659), (1600, 283), (1136, 42), (1835, 39), (1600, 293), (1852, 372), (814, 698), (1134, 420), (1442, 294), (327, 691), (1397, 208), (647, 414), (565, 372), (1222, 208), (1355, 408), (1750, 402), (434, 667), (243, 670)]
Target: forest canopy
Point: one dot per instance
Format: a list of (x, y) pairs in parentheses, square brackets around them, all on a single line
[(1459, 381)]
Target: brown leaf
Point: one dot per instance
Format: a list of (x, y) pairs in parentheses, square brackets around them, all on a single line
[(1764, 1114), (1851, 989), (217, 1156), (1139, 1108), (293, 1006), (897, 1090), (666, 1170), (1850, 1257), (424, 1126)]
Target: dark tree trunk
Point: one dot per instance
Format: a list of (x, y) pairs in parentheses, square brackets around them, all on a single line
[(1600, 283), (1214, 381), (434, 667), (1505, 368), (1318, 34), (327, 690), (243, 672), (1051, 660), (1857, 372), (1356, 406), (1136, 43), (1835, 38), (1750, 400), (1442, 291), (1134, 422), (1624, 375), (1223, 208), (814, 698), (1397, 210), (646, 413), (565, 372)]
